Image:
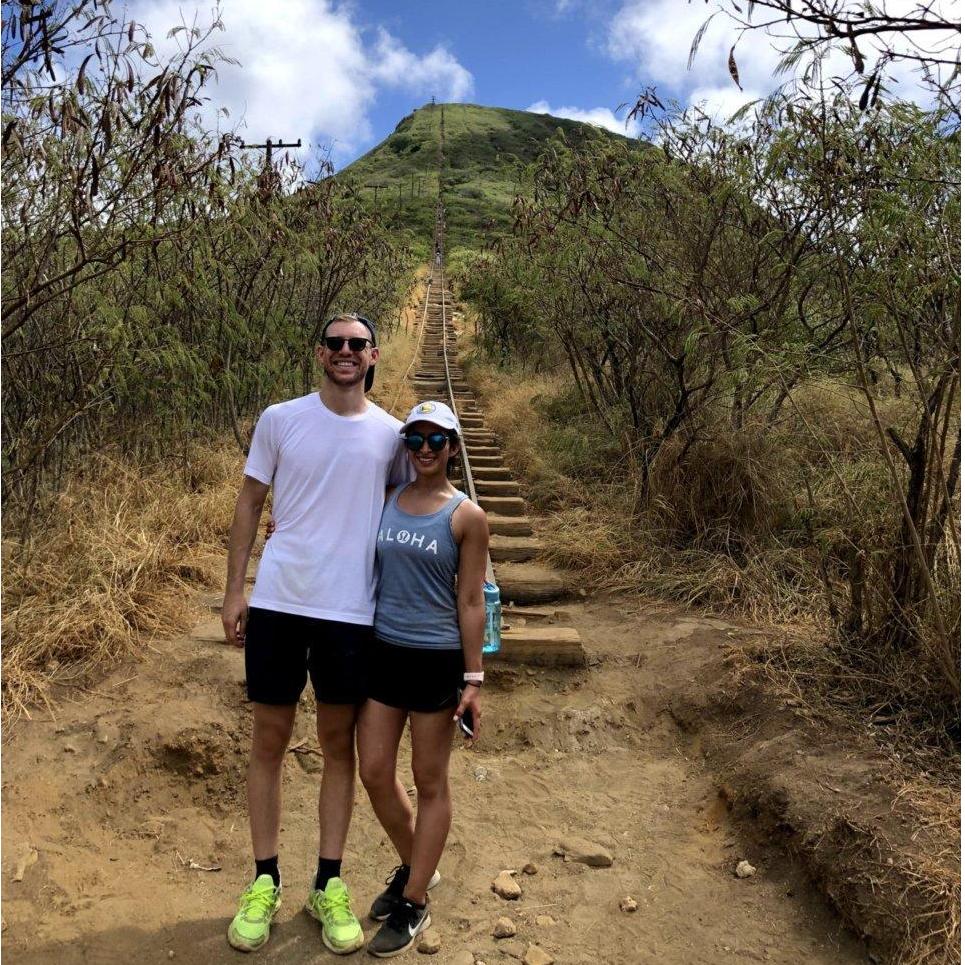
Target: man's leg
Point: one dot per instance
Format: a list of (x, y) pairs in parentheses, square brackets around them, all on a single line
[(271, 732), (379, 732), (329, 901), (431, 745), (336, 737)]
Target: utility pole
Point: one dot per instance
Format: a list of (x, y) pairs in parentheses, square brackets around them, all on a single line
[(268, 147)]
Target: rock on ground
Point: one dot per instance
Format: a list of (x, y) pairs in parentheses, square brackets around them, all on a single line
[(506, 887), (430, 942), (745, 869), (504, 928), (628, 904), (584, 852), (513, 949), (537, 956)]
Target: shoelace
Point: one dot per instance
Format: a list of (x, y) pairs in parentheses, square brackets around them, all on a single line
[(396, 878), (261, 900), (339, 907)]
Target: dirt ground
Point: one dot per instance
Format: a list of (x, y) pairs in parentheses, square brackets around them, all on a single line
[(115, 808)]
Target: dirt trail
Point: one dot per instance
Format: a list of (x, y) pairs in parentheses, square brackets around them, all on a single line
[(125, 816), (130, 784)]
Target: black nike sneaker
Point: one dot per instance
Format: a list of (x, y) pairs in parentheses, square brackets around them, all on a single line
[(397, 880), (399, 930)]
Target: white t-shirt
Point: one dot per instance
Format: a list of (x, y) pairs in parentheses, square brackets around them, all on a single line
[(329, 474)]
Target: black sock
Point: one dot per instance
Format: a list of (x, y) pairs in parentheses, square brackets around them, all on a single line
[(268, 866), (327, 868)]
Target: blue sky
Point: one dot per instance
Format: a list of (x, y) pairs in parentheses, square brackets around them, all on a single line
[(519, 53), (342, 74)]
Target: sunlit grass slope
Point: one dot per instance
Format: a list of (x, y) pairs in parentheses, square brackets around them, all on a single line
[(486, 153)]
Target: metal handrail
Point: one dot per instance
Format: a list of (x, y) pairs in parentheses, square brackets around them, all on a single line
[(463, 453)]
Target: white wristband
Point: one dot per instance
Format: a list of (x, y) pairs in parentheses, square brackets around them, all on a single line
[(473, 676)]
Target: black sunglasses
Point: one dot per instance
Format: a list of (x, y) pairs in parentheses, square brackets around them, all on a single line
[(334, 343), (436, 440)]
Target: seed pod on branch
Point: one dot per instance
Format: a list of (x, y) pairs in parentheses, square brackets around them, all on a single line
[(732, 67)]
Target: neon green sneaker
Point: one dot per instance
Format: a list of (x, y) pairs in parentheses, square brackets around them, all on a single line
[(341, 931), (249, 929)]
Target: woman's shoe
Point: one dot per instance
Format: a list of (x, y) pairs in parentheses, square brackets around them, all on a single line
[(399, 930), (397, 880)]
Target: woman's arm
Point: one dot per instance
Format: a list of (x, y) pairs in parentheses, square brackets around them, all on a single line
[(472, 533)]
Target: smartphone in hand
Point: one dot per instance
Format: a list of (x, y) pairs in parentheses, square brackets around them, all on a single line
[(465, 720)]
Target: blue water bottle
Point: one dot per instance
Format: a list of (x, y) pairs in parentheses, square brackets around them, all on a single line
[(494, 618)]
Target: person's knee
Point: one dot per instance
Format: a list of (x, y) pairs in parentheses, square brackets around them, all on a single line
[(376, 775), (430, 782), (269, 741), (337, 742)]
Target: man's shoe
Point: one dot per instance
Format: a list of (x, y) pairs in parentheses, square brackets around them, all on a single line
[(249, 929), (400, 929), (397, 880), (341, 931)]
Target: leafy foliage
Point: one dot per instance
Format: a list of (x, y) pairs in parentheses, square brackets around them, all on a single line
[(157, 285), (696, 292)]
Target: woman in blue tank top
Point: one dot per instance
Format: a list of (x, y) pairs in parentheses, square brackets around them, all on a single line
[(426, 667)]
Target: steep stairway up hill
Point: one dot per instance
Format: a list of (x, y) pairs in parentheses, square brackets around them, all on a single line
[(514, 550)]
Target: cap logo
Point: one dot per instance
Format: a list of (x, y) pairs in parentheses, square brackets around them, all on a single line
[(427, 407)]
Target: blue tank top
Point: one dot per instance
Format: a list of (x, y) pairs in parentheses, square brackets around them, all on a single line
[(418, 559)]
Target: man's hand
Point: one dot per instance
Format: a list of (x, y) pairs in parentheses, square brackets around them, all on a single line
[(471, 701), (269, 528), (234, 618)]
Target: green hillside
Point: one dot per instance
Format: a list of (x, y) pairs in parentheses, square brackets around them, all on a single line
[(486, 150)]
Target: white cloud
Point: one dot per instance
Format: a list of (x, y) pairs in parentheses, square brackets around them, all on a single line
[(655, 36), (396, 66), (598, 116), (306, 68)]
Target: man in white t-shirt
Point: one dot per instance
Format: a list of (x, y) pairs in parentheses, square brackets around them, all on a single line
[(328, 457)]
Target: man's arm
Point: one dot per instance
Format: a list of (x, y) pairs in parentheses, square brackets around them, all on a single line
[(244, 527)]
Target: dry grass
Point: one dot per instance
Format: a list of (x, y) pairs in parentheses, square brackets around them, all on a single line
[(708, 539), (118, 557), (114, 564), (392, 389), (730, 528)]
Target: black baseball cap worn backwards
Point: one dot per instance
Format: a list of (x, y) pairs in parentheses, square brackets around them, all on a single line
[(370, 325)]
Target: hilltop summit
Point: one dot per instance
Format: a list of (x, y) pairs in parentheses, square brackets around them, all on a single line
[(486, 150)]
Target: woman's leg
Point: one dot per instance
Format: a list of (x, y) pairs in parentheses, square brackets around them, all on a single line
[(378, 734), (431, 744)]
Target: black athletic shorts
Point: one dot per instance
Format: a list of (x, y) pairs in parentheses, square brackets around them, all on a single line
[(283, 649), (420, 679)]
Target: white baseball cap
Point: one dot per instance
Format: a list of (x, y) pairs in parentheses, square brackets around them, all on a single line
[(438, 413)]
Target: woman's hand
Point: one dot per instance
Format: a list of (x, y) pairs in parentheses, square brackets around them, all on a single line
[(471, 701)]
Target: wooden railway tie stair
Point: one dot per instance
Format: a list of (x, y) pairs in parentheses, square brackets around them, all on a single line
[(528, 635)]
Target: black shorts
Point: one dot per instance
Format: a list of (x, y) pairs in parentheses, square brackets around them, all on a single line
[(282, 649), (419, 679)]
